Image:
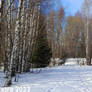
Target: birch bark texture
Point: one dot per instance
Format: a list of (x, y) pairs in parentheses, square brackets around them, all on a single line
[(14, 52), (87, 6)]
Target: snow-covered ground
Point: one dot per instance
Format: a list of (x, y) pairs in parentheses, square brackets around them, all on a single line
[(70, 78), (75, 61)]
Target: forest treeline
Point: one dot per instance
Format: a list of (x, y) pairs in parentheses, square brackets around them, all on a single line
[(30, 38)]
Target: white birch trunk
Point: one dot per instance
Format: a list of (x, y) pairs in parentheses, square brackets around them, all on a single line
[(8, 81), (88, 59), (22, 37), (15, 45)]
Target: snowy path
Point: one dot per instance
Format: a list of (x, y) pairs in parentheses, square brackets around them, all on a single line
[(58, 79)]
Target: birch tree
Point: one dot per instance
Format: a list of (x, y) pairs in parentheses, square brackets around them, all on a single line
[(13, 56), (87, 12), (2, 31)]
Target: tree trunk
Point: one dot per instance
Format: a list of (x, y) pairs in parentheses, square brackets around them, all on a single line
[(88, 60), (15, 45)]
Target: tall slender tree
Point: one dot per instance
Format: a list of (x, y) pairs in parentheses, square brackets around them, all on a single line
[(87, 12), (13, 57)]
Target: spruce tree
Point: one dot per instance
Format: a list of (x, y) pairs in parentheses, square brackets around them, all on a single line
[(42, 53)]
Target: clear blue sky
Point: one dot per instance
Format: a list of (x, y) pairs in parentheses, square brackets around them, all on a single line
[(72, 6)]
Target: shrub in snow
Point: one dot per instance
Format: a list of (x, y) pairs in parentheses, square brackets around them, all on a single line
[(56, 62)]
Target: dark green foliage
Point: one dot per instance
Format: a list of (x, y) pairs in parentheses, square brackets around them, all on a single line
[(42, 53)]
